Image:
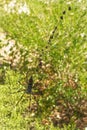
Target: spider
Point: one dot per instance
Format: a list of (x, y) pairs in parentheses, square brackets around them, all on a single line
[(28, 91)]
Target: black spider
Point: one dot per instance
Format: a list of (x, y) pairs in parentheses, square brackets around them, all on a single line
[(30, 85)]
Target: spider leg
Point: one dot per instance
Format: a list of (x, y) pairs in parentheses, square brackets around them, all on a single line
[(18, 91), (19, 99), (30, 103)]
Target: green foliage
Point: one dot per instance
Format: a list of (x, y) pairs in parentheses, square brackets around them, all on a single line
[(50, 42)]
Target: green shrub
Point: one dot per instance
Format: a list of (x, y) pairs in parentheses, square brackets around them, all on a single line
[(53, 52)]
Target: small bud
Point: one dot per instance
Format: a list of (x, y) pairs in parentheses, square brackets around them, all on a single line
[(69, 8), (64, 12), (61, 17)]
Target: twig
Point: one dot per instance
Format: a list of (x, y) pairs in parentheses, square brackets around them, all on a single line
[(52, 35)]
